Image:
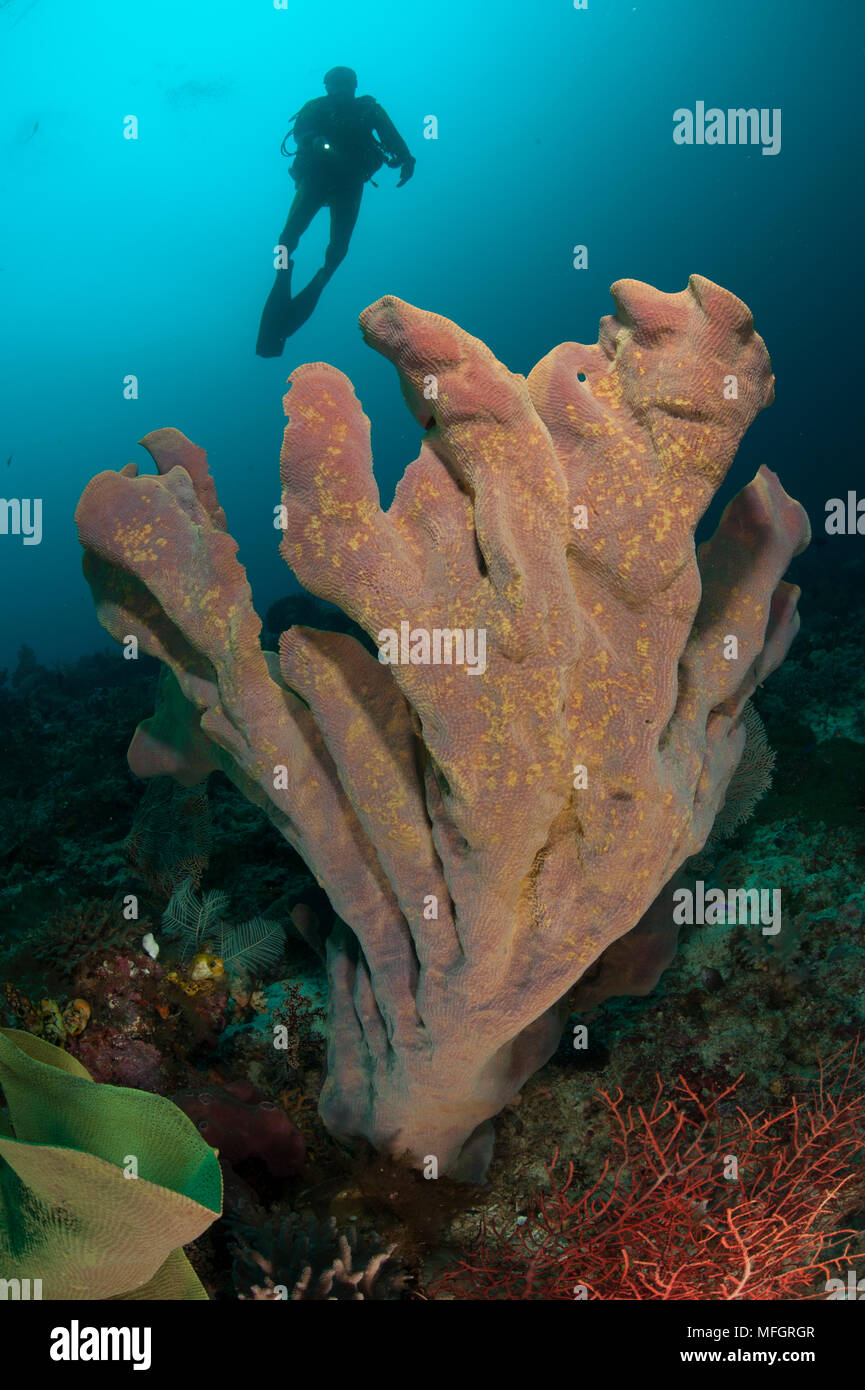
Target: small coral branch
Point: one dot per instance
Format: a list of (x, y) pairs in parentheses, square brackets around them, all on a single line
[(701, 1202), (308, 1260)]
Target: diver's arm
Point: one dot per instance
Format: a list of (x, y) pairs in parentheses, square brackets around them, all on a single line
[(393, 143)]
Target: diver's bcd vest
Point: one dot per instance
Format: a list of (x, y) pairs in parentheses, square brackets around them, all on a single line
[(352, 143)]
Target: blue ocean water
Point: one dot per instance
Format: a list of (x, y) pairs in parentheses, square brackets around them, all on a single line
[(153, 256)]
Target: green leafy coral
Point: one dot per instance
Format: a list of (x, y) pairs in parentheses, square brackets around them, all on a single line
[(70, 1213)]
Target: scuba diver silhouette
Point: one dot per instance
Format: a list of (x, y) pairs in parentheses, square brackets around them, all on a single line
[(342, 140)]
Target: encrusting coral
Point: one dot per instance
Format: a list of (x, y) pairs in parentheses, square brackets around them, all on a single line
[(483, 831)]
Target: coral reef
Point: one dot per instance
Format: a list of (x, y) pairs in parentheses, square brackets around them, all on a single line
[(74, 934), (65, 795), (700, 1201), (130, 1021), (474, 875)]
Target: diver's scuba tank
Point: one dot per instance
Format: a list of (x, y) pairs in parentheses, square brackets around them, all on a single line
[(322, 145), (303, 160)]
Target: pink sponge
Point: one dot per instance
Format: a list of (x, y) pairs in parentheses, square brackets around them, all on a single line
[(242, 1123)]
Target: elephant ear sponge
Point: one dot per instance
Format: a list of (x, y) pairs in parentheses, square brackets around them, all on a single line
[(71, 1214)]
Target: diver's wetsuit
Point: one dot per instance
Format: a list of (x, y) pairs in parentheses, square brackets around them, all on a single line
[(336, 153)]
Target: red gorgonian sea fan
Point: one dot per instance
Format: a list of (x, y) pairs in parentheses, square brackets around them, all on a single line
[(698, 1204)]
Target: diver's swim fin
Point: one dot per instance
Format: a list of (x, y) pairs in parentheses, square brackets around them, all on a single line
[(303, 304), (271, 332)]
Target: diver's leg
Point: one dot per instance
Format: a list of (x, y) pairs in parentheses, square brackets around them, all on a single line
[(307, 201), (272, 330), (344, 208)]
